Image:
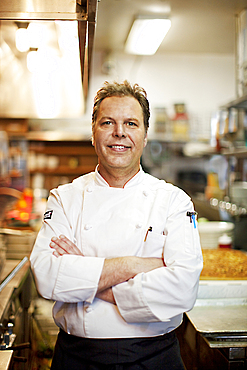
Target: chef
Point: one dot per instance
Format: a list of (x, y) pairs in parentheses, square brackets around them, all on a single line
[(118, 250)]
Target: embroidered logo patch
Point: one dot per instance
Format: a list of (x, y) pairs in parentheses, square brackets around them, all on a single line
[(47, 215)]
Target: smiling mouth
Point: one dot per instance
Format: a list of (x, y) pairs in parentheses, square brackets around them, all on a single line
[(119, 147)]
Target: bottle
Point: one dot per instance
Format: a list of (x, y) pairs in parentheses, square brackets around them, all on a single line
[(225, 241)]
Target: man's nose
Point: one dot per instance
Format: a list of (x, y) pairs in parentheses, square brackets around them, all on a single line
[(119, 130)]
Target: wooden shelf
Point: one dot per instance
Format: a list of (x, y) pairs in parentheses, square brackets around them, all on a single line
[(64, 150), (65, 170), (74, 157)]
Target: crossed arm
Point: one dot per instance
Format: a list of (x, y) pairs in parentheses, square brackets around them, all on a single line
[(115, 270)]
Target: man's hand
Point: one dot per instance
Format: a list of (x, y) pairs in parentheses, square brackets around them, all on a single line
[(121, 269), (63, 245), (106, 295)]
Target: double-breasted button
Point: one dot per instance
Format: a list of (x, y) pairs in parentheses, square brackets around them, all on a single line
[(87, 227), (88, 308), (138, 226), (89, 189)]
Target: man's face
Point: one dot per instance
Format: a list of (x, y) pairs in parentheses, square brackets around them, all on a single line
[(119, 135)]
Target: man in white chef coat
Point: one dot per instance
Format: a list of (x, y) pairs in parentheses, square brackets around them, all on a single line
[(118, 250)]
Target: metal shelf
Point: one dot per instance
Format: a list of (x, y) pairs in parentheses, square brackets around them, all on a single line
[(65, 170), (239, 103), (240, 152)]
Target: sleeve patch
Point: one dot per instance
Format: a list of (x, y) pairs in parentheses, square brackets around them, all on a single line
[(47, 215)]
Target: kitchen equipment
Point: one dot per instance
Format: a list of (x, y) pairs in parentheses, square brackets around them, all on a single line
[(23, 100), (238, 193), (15, 315), (210, 232), (214, 336)]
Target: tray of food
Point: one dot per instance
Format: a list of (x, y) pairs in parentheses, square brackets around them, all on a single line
[(224, 264)]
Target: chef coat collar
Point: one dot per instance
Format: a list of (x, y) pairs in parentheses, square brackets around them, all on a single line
[(99, 180)]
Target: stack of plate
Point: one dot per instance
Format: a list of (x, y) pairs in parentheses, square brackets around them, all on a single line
[(18, 242), (211, 231)]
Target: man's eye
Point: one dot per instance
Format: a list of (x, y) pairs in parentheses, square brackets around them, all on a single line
[(131, 123), (106, 123)]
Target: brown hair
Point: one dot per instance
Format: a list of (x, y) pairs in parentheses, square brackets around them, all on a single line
[(121, 90)]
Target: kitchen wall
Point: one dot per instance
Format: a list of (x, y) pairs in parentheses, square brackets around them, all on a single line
[(202, 81)]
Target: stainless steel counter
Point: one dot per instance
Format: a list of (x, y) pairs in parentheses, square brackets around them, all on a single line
[(6, 293), (213, 334), (220, 312), (220, 317), (5, 297), (223, 322), (5, 359)]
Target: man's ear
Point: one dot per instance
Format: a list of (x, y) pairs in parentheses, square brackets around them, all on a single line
[(92, 140), (145, 140)]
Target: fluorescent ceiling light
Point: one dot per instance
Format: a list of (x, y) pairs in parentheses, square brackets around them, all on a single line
[(146, 35), (21, 40)]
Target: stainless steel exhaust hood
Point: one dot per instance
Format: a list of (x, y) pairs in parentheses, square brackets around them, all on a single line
[(19, 13), (44, 9)]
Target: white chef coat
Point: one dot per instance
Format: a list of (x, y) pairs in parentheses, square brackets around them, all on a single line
[(106, 222)]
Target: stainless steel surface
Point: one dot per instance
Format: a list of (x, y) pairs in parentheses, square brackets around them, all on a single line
[(15, 320), (6, 293), (45, 9), (5, 359), (212, 351), (12, 274), (214, 21), (67, 97), (226, 341), (221, 317)]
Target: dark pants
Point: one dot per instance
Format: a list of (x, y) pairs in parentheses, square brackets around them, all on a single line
[(155, 353)]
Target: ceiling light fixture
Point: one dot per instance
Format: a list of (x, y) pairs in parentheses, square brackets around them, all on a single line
[(21, 40), (146, 35)]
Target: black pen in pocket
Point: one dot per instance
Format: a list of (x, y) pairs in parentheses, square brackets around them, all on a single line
[(148, 230)]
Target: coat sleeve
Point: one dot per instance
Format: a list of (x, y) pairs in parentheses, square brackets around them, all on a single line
[(167, 291), (68, 278)]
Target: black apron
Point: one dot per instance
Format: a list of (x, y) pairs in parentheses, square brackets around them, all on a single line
[(154, 353)]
